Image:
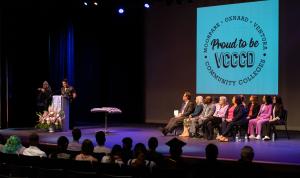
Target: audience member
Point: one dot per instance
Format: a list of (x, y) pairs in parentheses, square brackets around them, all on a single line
[(61, 152), (87, 149), (175, 160), (33, 149), (13, 145), (115, 156), (101, 139), (127, 149), (152, 154), (75, 145), (139, 160)]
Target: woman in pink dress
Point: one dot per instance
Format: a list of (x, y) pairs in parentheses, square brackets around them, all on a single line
[(262, 117)]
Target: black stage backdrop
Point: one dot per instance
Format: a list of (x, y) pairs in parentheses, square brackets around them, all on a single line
[(108, 60)]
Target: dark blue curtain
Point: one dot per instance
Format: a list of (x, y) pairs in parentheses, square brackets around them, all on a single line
[(61, 56)]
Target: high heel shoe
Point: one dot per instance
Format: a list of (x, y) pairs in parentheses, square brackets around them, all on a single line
[(224, 139), (219, 137)]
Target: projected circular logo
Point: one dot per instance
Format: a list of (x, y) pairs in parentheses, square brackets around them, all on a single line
[(235, 50)]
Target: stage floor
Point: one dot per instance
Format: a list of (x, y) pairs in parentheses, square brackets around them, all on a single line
[(282, 151)]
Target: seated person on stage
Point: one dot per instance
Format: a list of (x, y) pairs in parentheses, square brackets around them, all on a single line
[(253, 107), (187, 108), (33, 149), (197, 112), (276, 117), (219, 115), (75, 145), (262, 118), (208, 111), (235, 116)]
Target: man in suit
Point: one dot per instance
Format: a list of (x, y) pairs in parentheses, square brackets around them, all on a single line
[(187, 108)]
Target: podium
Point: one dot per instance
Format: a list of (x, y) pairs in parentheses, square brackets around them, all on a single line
[(62, 103)]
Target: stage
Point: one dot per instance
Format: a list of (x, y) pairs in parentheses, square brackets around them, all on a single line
[(281, 151)]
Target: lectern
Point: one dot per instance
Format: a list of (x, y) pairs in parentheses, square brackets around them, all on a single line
[(62, 103)]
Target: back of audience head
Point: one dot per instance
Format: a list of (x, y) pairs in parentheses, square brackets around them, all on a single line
[(175, 147), (139, 148), (152, 143), (127, 143), (34, 139), (62, 143), (13, 143), (76, 133), (100, 138), (211, 152), (247, 154), (116, 150), (87, 147)]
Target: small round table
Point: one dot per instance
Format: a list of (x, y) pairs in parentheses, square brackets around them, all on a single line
[(106, 110)]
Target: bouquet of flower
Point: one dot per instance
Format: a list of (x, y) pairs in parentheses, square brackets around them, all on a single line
[(51, 118)]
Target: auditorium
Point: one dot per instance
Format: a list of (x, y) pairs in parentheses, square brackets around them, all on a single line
[(149, 88)]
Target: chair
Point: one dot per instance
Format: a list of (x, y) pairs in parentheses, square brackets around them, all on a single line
[(283, 122)]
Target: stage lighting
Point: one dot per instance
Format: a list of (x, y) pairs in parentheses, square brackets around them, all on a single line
[(95, 3), (85, 3), (147, 6), (121, 10)]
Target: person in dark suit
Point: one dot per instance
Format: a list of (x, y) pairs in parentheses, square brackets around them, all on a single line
[(187, 108), (44, 97), (276, 118)]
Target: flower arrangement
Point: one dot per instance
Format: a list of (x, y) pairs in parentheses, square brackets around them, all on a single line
[(50, 119)]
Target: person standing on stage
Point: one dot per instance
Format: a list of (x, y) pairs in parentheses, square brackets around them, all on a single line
[(69, 92), (44, 97)]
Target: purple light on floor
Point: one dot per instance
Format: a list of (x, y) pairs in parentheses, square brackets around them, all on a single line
[(121, 11)]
